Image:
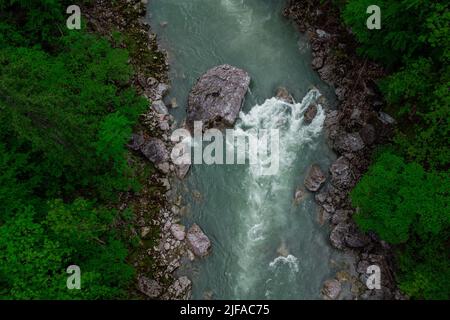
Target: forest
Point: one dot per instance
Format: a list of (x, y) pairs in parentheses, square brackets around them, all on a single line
[(404, 195)]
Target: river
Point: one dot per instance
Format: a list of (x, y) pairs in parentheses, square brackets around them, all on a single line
[(264, 246)]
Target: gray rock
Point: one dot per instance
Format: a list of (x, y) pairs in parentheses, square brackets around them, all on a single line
[(310, 113), (355, 239), (340, 93), (337, 235), (181, 170), (180, 289), (162, 89), (317, 62), (299, 195), (178, 231), (284, 95), (160, 107), (322, 33), (314, 178), (155, 150), (340, 216), (342, 175), (149, 287), (331, 289), (198, 241), (349, 142), (217, 97)]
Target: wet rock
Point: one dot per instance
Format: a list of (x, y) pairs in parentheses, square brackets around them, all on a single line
[(160, 107), (355, 239), (337, 235), (331, 289), (349, 142), (155, 150), (284, 95), (317, 62), (178, 231), (149, 287), (182, 170), (310, 113), (340, 216), (314, 178), (217, 97), (299, 196), (198, 241), (342, 175), (173, 103)]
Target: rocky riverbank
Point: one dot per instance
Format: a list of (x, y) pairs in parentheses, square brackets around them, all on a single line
[(354, 129), (161, 242)]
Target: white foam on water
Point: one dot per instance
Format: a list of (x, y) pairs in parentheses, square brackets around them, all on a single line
[(266, 194)]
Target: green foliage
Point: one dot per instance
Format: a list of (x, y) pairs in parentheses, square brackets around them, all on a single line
[(404, 197), (34, 256), (399, 200), (406, 205), (414, 43), (405, 28), (58, 105), (66, 112)]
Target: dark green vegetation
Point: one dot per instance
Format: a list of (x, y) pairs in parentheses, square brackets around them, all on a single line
[(66, 112), (404, 196)]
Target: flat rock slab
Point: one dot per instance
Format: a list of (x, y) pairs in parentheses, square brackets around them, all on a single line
[(217, 97), (198, 241)]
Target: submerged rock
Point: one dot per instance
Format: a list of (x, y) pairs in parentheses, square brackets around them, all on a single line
[(331, 289), (217, 97), (299, 196), (310, 113), (314, 178), (198, 241), (284, 95)]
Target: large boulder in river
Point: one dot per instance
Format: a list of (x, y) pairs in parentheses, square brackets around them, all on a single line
[(198, 241), (331, 289), (217, 97), (314, 178)]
